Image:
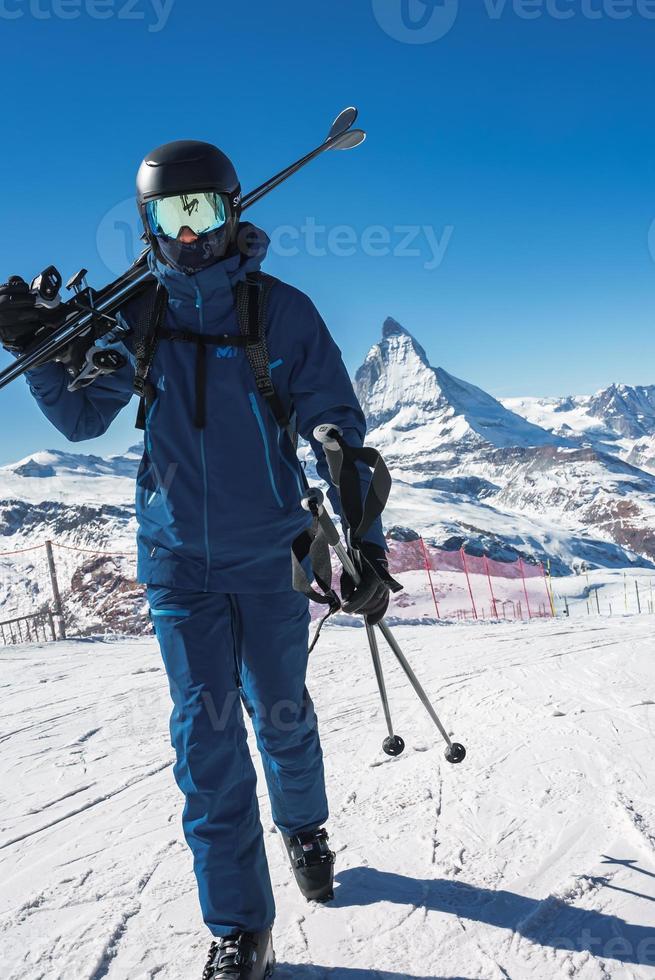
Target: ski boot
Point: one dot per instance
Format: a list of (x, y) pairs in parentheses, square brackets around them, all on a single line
[(312, 862), (246, 956)]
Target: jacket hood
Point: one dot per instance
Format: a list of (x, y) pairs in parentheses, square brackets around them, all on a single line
[(220, 277)]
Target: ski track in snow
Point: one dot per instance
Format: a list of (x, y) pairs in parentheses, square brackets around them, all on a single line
[(533, 859)]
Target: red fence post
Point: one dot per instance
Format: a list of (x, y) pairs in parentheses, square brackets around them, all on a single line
[(429, 571), (491, 588), (468, 579), (525, 588)]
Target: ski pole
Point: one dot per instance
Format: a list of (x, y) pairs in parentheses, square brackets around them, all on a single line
[(314, 502), (393, 744), (455, 751)]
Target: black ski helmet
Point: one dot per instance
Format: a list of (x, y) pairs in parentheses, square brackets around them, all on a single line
[(183, 167)]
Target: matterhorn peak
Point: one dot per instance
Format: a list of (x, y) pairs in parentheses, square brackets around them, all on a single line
[(395, 338), (396, 383), (391, 327), (396, 373)]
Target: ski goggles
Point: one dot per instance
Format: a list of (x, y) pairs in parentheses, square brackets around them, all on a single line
[(202, 212)]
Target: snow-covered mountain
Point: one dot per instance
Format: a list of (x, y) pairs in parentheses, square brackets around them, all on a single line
[(619, 419), (471, 470), (627, 410), (78, 501), (396, 383)]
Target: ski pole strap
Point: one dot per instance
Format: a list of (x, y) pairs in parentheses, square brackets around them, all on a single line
[(359, 514), (317, 633), (313, 543)]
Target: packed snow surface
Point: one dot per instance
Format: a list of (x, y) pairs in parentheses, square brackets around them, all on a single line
[(533, 859)]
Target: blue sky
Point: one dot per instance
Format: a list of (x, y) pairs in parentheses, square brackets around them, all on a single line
[(522, 141)]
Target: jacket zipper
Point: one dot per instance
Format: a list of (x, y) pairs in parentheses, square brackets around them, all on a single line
[(267, 450), (148, 444)]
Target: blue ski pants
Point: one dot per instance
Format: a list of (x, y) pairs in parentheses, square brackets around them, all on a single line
[(221, 651)]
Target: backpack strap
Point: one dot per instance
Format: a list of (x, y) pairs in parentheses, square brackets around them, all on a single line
[(202, 341), (146, 329), (251, 302)]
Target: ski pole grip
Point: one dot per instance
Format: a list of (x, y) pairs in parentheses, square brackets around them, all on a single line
[(326, 435)]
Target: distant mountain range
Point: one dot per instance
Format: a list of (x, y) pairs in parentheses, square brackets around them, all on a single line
[(570, 479), (545, 477)]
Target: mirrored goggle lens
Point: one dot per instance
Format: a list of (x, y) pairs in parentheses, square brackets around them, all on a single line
[(201, 212)]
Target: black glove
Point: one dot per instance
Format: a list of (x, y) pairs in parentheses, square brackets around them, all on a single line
[(21, 322), (371, 597)]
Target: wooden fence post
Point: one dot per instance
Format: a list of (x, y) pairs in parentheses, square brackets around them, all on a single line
[(56, 595)]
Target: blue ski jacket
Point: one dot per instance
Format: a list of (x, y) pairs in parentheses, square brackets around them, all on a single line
[(219, 507)]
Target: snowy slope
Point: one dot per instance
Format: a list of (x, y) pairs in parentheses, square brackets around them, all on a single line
[(534, 860)]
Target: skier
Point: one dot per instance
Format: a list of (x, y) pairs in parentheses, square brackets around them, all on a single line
[(218, 506)]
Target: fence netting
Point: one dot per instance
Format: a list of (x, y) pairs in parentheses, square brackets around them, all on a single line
[(55, 588), (463, 586)]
